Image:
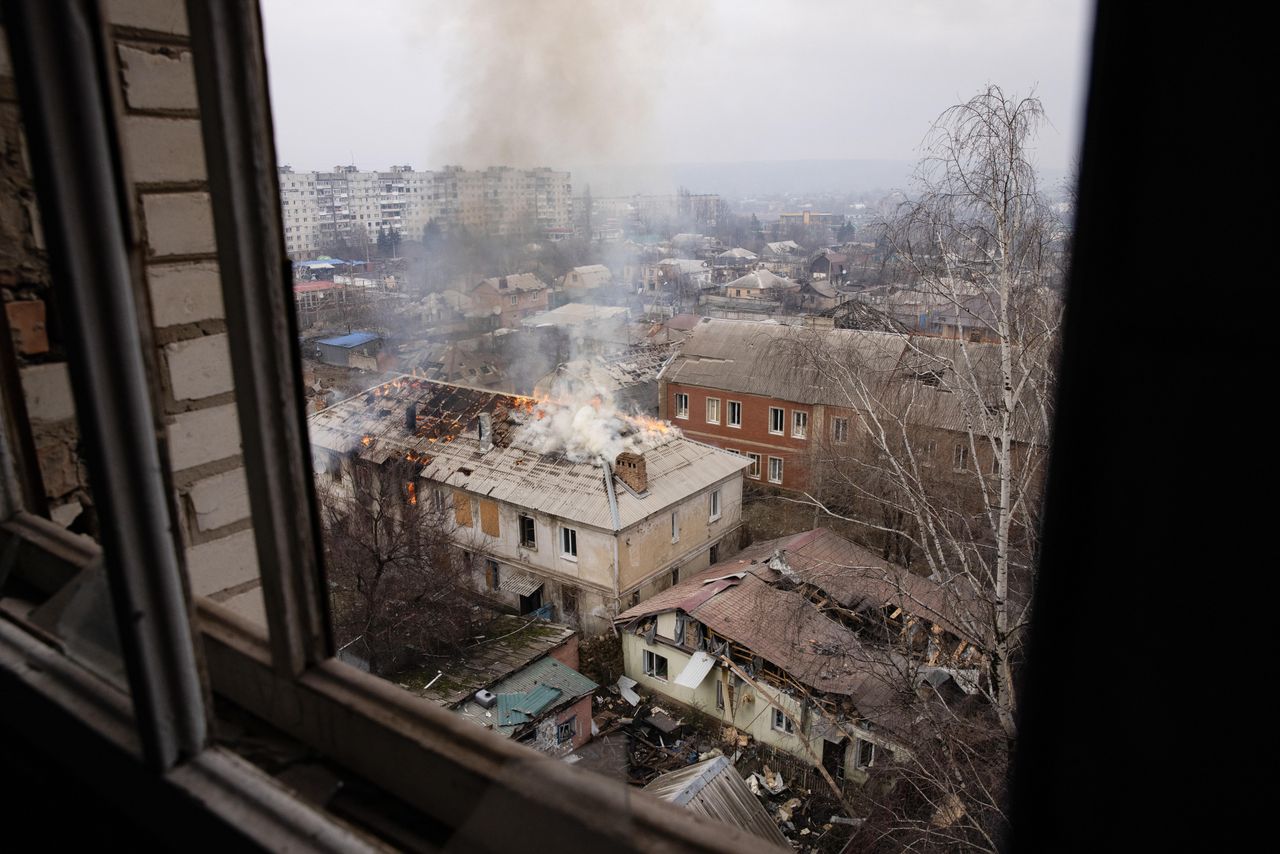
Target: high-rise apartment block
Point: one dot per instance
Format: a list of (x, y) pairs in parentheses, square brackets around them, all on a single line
[(324, 209)]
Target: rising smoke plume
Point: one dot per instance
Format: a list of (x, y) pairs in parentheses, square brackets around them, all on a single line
[(559, 82), (582, 421)]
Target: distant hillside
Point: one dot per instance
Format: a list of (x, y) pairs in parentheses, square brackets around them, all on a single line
[(739, 180)]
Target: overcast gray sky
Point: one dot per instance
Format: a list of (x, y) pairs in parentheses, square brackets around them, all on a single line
[(560, 82)]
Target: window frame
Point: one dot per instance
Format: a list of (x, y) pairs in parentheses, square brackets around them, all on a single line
[(675, 526), (799, 431), (781, 420), (960, 457), (568, 537), (288, 678), (729, 420), (781, 469), (649, 664), (713, 401), (682, 412), (532, 542), (787, 726), (840, 430), (754, 471), (714, 505)]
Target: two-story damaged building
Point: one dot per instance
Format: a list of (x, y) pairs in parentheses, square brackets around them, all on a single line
[(571, 505), (809, 643)]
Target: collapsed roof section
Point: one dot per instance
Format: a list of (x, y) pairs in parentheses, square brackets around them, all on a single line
[(817, 607), (470, 439)]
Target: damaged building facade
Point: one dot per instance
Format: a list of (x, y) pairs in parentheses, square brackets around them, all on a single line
[(809, 644), (581, 539)]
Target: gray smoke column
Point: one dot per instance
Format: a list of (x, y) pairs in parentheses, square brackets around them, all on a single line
[(582, 421), (547, 82)]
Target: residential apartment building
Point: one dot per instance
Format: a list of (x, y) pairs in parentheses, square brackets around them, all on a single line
[(769, 392), (353, 206), (587, 538)]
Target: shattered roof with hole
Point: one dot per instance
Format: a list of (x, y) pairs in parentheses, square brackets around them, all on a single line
[(738, 599), (446, 443)]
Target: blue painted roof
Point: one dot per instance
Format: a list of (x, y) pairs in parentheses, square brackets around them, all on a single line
[(353, 339)]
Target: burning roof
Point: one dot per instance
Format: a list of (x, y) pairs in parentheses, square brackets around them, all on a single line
[(542, 455)]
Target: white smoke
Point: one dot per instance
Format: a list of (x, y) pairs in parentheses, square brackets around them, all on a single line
[(582, 421)]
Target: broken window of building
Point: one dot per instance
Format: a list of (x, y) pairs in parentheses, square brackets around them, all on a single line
[(719, 693), (754, 471), (675, 528), (528, 532), (655, 665), (864, 754), (567, 730), (775, 469), (491, 574), (735, 413), (782, 723)]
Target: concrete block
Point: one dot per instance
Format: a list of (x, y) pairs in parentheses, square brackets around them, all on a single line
[(47, 389), (178, 223), (159, 79), (220, 500), (203, 436), (222, 563), (184, 293), (199, 367), (161, 16), (162, 149)]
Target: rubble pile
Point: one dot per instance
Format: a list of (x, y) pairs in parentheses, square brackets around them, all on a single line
[(660, 739)]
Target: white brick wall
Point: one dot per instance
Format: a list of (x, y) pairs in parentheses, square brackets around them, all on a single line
[(47, 389), (223, 563), (203, 436), (199, 367), (184, 293), (156, 80), (220, 500), (179, 223), (161, 149), (162, 16)]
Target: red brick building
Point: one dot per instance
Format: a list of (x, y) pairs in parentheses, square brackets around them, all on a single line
[(767, 391), (512, 298)]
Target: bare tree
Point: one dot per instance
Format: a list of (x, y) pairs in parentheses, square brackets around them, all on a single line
[(396, 567), (941, 459)]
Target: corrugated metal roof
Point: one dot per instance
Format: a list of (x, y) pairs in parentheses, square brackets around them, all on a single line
[(518, 582), (447, 445), (763, 280), (714, 789), (533, 702), (354, 339), (550, 672)]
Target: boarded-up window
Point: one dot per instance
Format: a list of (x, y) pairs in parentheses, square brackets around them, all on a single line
[(489, 517), (462, 508)]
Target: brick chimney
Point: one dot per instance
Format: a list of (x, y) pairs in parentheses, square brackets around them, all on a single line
[(631, 470)]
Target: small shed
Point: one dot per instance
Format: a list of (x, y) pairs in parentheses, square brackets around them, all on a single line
[(352, 350)]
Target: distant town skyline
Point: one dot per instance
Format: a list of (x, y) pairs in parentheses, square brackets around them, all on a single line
[(568, 83)]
